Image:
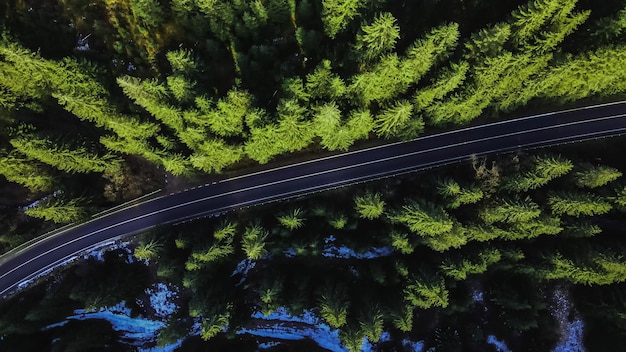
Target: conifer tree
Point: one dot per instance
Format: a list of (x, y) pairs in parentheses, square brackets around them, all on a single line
[(449, 80), (424, 218), (214, 155), (378, 38), (511, 211), (545, 169), (334, 305), (292, 219), (456, 195), (148, 250), (391, 121), (16, 168), (336, 15), (62, 157), (596, 176), (460, 268), (426, 291), (322, 83), (369, 206), (371, 323), (253, 242), (59, 211), (577, 204)]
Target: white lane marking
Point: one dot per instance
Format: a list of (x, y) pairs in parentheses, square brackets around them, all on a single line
[(387, 146), (273, 197), (307, 176)]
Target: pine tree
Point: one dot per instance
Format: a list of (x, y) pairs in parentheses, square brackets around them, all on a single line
[(401, 242), (62, 157), (253, 242), (456, 195), (378, 38), (577, 204), (391, 121), (426, 291), (424, 218), (293, 219), (488, 42), (596, 176), (334, 305), (371, 323), (214, 155), (462, 266), (449, 80), (59, 211), (149, 250), (545, 169), (369, 206), (511, 211), (16, 168), (323, 84), (336, 15)]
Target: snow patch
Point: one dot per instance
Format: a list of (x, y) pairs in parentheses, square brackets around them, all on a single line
[(282, 325), (345, 252), (160, 296), (499, 345), (571, 330), (413, 346), (266, 345)]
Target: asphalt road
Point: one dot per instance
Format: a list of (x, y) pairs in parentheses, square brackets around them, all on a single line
[(16, 269)]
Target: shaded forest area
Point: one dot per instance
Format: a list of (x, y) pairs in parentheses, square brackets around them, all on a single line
[(111, 94), (448, 256)]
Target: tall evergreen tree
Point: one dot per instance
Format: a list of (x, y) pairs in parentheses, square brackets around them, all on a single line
[(378, 38)]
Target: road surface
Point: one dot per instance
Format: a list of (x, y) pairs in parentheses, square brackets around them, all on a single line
[(17, 268)]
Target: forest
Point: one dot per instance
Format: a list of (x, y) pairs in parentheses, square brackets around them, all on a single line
[(105, 101)]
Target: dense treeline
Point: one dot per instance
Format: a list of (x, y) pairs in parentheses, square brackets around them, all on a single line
[(200, 86), (469, 247)]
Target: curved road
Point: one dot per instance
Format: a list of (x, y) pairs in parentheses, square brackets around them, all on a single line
[(604, 120)]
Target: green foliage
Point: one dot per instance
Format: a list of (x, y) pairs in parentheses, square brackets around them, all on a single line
[(338, 221), (371, 323), (148, 250), (16, 168), (402, 319), (336, 14), (181, 61), (253, 242), (225, 231), (488, 42), (292, 219), (333, 304), (62, 157), (335, 135), (424, 218), (269, 292), (544, 169), (214, 155), (59, 211), (577, 204), (393, 75), (378, 38), (596, 176), (323, 84), (455, 195), (449, 80), (391, 122), (401, 242), (369, 205), (511, 211), (426, 291), (460, 268), (217, 251), (213, 324), (352, 337)]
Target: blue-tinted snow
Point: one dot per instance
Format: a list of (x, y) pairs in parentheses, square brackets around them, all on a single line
[(414, 346), (345, 252), (266, 345), (136, 331), (160, 297), (280, 325), (500, 345), (574, 341)]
